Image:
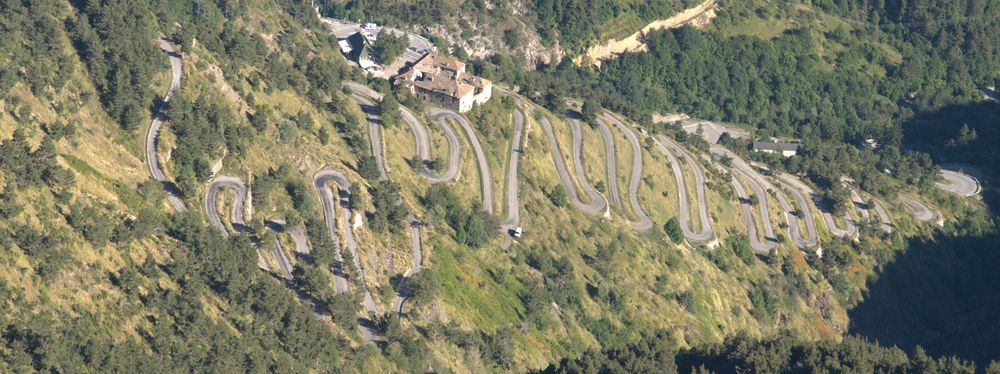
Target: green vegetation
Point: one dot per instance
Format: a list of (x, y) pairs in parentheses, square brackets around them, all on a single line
[(783, 354), (673, 230), (101, 275), (473, 226), (389, 47)]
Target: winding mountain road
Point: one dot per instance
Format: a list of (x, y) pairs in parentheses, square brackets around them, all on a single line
[(236, 212), (485, 177), (322, 180), (849, 230), (804, 212), (423, 144), (421, 138), (687, 226), (920, 211), (282, 259), (153, 132), (643, 223), (811, 238), (865, 209), (598, 203), (758, 246), (374, 133), (957, 182)]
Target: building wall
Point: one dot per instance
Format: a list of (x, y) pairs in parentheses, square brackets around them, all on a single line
[(439, 99), (465, 102), (484, 96)]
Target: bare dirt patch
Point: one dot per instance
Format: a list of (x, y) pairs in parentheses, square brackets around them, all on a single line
[(697, 16)]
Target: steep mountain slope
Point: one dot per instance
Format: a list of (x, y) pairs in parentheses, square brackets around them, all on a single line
[(276, 220)]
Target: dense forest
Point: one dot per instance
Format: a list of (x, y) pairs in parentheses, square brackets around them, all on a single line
[(741, 354)]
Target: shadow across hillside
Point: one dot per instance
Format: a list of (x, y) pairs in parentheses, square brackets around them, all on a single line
[(944, 294)]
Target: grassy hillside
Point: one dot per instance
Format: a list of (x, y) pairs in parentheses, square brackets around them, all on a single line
[(104, 274)]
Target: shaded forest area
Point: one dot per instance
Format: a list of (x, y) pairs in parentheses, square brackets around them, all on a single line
[(741, 354), (941, 294)]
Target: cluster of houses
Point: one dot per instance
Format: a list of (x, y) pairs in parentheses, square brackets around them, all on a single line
[(433, 77)]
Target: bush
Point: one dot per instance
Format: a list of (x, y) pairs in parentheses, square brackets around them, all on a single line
[(673, 230)]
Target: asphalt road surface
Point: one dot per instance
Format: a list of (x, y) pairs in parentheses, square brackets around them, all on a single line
[(865, 210), (153, 132), (612, 163), (420, 135), (920, 211), (418, 262), (374, 133), (322, 180), (804, 213), (758, 246), (811, 239), (849, 230), (328, 197), (513, 212), (485, 177), (643, 223), (668, 147), (236, 213), (283, 264), (423, 145), (958, 182), (598, 204)]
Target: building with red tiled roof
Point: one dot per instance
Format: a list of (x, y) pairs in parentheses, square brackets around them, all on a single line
[(442, 81)]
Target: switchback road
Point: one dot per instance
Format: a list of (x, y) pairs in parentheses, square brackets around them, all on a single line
[(153, 132), (668, 147), (322, 180), (236, 212), (422, 144), (485, 177), (598, 204), (643, 223)]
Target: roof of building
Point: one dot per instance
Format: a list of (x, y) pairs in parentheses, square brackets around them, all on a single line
[(434, 61), (776, 146), (442, 75), (360, 46)]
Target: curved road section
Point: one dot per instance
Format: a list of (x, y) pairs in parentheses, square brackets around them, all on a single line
[(236, 213), (920, 211), (153, 132), (761, 184), (418, 262), (598, 204), (850, 229), (687, 227), (758, 246), (643, 223), (322, 180), (957, 182), (422, 144), (420, 135), (485, 178), (865, 209)]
